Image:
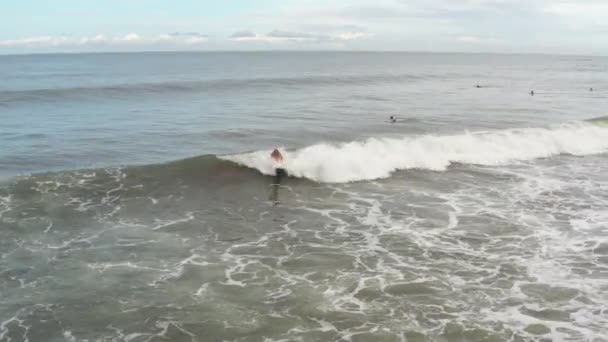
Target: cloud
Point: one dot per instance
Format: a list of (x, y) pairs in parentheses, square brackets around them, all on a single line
[(34, 41), (563, 26), (191, 38), (242, 34), (473, 40), (292, 35), (571, 8), (589, 16), (351, 36), (566, 26), (188, 34), (278, 36), (131, 39)]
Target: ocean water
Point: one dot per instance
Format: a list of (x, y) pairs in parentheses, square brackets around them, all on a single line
[(136, 201)]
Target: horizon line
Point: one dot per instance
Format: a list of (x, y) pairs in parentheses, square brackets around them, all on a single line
[(300, 51)]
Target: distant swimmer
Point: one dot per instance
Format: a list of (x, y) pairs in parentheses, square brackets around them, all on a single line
[(478, 86), (279, 172), (393, 119), (590, 89), (532, 93)]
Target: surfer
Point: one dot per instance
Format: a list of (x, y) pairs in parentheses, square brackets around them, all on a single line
[(279, 173), (277, 163), (532, 93), (393, 119)]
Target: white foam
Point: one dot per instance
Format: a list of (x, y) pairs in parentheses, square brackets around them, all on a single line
[(68, 336), (5, 204), (378, 157)]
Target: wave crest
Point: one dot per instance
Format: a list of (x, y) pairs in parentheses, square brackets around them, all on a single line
[(376, 158)]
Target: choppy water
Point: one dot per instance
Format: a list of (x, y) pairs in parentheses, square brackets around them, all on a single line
[(134, 201)]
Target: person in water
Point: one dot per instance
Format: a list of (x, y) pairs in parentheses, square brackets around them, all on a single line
[(277, 163), (532, 93), (279, 172), (393, 119)]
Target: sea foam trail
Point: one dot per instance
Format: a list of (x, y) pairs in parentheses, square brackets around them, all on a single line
[(378, 157)]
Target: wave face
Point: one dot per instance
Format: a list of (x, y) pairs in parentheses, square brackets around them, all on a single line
[(377, 158)]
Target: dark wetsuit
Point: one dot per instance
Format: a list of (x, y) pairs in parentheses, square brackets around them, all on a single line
[(280, 173)]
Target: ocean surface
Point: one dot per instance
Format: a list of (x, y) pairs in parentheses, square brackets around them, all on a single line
[(136, 202)]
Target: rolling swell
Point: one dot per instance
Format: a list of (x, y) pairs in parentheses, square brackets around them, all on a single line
[(202, 173), (155, 89), (205, 169)]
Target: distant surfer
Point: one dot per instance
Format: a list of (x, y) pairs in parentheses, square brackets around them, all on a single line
[(478, 86), (590, 89), (279, 172), (531, 92), (392, 119)]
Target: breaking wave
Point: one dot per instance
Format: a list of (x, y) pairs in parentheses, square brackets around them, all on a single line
[(369, 159), (376, 158)]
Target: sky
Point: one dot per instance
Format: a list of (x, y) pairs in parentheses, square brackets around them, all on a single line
[(496, 26)]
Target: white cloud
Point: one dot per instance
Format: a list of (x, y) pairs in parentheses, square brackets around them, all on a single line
[(248, 36), (195, 40), (468, 39), (131, 37), (590, 16), (278, 36), (477, 40), (294, 36), (563, 26), (242, 34), (188, 38), (101, 41), (579, 9), (351, 36), (35, 41)]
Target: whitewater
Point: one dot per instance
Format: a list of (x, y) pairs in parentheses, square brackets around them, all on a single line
[(376, 158)]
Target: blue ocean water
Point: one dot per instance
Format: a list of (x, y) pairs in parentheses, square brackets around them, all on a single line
[(137, 200), (83, 110)]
